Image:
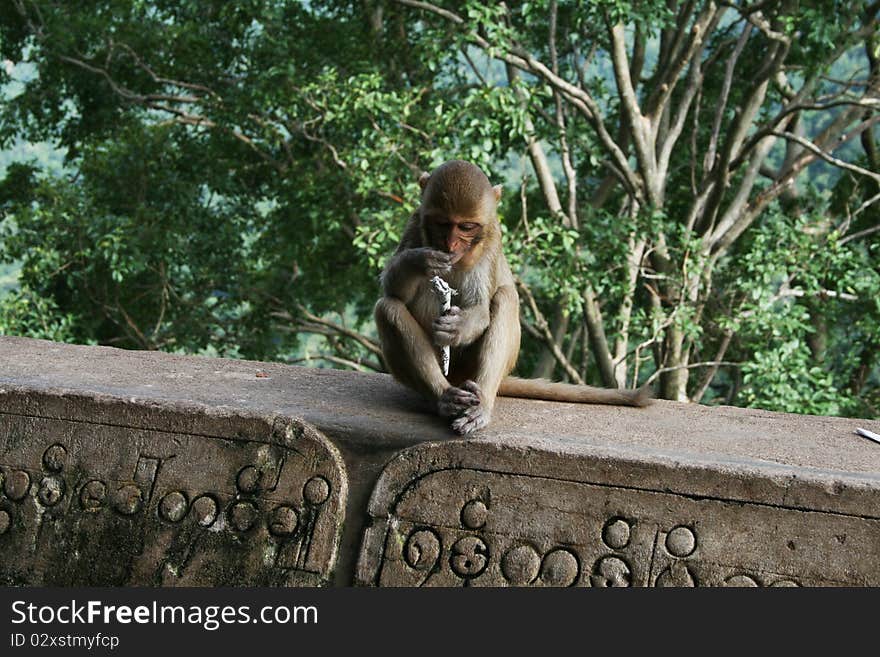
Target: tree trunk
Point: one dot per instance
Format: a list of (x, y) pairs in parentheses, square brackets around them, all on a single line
[(673, 384)]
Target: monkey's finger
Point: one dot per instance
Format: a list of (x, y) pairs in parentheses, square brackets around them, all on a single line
[(460, 396), (471, 386), (472, 421), (464, 398), (438, 262), (444, 338), (438, 257), (461, 425), (438, 271), (447, 325), (455, 403)]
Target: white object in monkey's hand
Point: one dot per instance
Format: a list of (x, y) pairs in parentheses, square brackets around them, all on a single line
[(444, 292)]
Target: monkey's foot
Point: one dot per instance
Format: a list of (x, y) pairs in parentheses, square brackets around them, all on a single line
[(476, 416), (455, 402), (473, 420)]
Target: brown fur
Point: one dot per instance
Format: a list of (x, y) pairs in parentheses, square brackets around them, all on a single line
[(455, 234)]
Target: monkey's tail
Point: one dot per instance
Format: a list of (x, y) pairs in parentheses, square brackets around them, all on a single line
[(513, 386)]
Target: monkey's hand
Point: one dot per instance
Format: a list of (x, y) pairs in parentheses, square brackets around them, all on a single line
[(455, 402), (447, 328), (431, 261), (460, 326), (475, 416)]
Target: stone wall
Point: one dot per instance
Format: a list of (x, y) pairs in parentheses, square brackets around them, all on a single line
[(137, 468)]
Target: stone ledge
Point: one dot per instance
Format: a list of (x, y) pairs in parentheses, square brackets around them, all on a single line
[(310, 477)]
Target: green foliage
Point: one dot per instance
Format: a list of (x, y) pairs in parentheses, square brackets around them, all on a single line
[(545, 252), (25, 313), (221, 178), (790, 275), (783, 378)]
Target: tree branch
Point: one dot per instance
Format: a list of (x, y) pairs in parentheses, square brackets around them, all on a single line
[(690, 366), (335, 328), (810, 146), (713, 369), (640, 125), (361, 365), (545, 334), (524, 61), (729, 68)]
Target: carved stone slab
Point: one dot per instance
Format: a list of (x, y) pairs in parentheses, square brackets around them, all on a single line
[(480, 514), (84, 501)]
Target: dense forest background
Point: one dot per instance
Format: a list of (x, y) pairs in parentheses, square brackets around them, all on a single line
[(691, 188)]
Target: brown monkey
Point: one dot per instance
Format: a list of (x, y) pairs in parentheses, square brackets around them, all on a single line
[(455, 234)]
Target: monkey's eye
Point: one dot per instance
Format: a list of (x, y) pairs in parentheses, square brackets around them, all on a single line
[(468, 227)]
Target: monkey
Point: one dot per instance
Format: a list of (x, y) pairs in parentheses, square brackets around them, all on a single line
[(455, 233)]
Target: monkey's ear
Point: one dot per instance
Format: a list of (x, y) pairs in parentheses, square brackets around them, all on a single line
[(423, 179), (497, 190)]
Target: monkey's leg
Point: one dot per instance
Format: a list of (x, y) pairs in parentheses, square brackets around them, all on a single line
[(412, 358), (497, 354)]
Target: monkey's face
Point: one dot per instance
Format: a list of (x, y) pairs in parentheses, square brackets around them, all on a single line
[(453, 234), (458, 211)]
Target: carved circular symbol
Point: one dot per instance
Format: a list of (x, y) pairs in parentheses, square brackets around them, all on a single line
[(92, 494), (422, 549), (54, 457), (611, 572), (560, 568), (128, 499), (474, 514), (520, 565), (5, 521), (242, 516), (316, 490), (470, 556), (248, 480), (205, 510), (681, 542), (51, 491), (741, 580), (616, 533), (283, 521), (173, 506), (17, 484)]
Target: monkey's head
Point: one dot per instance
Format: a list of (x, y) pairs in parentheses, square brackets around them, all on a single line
[(459, 211)]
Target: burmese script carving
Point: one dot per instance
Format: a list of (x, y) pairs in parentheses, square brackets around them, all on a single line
[(92, 504), (467, 527)]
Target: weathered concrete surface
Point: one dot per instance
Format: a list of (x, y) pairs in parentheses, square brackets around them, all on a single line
[(550, 494)]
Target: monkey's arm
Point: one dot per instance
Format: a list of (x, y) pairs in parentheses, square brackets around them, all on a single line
[(408, 268), (499, 347), (401, 278), (500, 342)]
